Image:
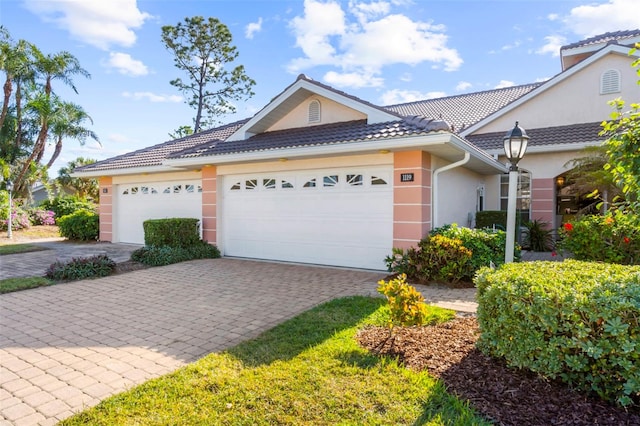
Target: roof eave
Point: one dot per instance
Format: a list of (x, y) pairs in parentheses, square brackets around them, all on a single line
[(548, 149), (124, 171), (481, 162)]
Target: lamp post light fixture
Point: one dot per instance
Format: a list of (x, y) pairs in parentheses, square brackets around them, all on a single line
[(515, 145), (9, 186)]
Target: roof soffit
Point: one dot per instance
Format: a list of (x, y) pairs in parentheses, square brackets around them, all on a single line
[(297, 93)]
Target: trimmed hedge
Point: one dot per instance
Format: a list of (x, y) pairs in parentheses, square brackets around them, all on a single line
[(572, 320), (172, 232), (488, 218)]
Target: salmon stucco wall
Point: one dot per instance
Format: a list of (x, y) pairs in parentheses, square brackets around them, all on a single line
[(105, 210), (411, 199), (543, 204), (209, 204)]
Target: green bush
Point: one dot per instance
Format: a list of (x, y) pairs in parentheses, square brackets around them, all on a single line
[(66, 205), (81, 268), (572, 320), (173, 232), (614, 238), (166, 255), (489, 218), (406, 304), (486, 245), (83, 225), (437, 258)]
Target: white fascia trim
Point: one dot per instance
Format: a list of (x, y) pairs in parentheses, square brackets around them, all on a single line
[(342, 149), (549, 84), (543, 149), (124, 171)]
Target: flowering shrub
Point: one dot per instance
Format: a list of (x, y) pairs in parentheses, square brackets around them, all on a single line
[(19, 220), (42, 217), (613, 238)]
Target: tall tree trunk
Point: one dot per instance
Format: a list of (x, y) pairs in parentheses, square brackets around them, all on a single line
[(56, 152), (18, 117), (8, 86), (37, 150)]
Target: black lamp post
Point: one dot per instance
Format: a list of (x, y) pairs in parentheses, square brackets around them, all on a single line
[(9, 186), (515, 145)]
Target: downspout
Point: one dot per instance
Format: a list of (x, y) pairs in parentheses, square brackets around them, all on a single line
[(434, 186)]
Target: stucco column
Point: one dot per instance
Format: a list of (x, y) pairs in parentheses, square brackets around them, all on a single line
[(209, 204), (411, 197), (543, 203), (105, 209)]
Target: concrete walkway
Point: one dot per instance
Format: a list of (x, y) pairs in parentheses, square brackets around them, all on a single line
[(66, 347)]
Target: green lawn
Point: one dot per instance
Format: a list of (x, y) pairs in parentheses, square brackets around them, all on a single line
[(15, 284), (19, 248), (309, 370)]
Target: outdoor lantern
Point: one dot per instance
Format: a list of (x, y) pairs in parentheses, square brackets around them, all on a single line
[(515, 145)]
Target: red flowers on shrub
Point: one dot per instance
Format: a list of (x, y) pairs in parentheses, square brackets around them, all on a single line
[(626, 240), (568, 227)]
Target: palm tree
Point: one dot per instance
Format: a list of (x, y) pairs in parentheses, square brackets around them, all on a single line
[(67, 122), (85, 188), (60, 66)]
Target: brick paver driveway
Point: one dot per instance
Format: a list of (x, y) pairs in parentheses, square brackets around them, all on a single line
[(66, 347)]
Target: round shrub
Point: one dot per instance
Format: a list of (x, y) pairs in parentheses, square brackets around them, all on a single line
[(613, 238), (81, 225), (572, 320)]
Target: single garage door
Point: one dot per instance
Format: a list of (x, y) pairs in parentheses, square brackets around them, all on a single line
[(137, 202), (331, 217)]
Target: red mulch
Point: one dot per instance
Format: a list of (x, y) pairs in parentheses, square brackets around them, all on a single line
[(503, 395)]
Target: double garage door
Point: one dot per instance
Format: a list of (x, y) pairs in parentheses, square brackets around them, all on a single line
[(340, 217)]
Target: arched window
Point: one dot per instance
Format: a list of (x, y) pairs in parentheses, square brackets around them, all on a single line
[(314, 111), (610, 82)]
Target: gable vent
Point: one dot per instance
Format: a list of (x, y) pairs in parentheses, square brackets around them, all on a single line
[(314, 111), (610, 82)]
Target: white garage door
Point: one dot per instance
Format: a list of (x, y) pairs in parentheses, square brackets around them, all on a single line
[(331, 217), (137, 202)]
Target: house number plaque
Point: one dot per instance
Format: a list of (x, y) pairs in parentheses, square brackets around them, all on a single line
[(406, 177)]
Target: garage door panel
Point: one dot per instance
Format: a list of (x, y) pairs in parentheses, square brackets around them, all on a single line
[(342, 225), (137, 202)]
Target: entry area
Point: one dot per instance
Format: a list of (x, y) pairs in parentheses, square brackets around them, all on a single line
[(137, 202), (339, 217)]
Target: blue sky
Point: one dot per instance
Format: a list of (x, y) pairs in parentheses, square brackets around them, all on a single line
[(385, 52)]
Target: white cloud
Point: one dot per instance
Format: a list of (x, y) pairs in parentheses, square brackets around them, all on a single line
[(152, 97), (614, 15), (504, 83), (406, 77), (366, 38), (397, 96), (353, 80), (252, 28), (513, 45), (98, 23), (552, 46), (119, 138), (125, 64), (462, 86), (542, 79)]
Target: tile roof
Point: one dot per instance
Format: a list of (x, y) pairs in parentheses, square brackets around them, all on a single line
[(614, 36), (462, 111), (326, 134), (154, 155), (573, 133)]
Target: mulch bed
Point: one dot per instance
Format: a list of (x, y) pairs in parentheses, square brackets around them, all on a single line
[(503, 395)]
